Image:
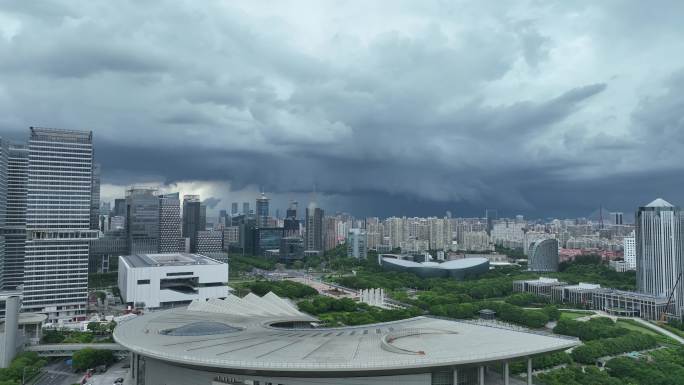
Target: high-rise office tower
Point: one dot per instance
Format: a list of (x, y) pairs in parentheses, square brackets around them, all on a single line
[(292, 210), (4, 157), (491, 215), (119, 208), (194, 219), (245, 208), (170, 239), (59, 192), (234, 208), (291, 223), (95, 198), (15, 228), (313, 239), (659, 258), (142, 220), (262, 210), (617, 218)]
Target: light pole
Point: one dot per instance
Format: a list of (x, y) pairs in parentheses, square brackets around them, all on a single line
[(23, 375)]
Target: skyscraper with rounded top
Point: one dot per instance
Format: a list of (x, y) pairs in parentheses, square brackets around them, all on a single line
[(659, 257), (262, 210)]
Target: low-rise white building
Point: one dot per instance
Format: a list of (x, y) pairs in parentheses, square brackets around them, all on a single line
[(171, 279)]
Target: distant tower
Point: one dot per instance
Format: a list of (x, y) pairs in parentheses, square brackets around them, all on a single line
[(491, 215), (95, 198), (291, 223), (194, 219), (245, 208), (234, 208), (314, 228), (142, 220), (659, 257), (617, 218), (170, 239), (262, 210)]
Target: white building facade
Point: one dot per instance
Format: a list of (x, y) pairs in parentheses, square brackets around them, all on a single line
[(659, 262), (629, 247), (172, 279)]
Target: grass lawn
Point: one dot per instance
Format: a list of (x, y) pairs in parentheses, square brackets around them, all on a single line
[(673, 330), (574, 314), (633, 325), (636, 327)]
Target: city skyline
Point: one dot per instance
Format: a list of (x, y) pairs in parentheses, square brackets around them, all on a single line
[(542, 109)]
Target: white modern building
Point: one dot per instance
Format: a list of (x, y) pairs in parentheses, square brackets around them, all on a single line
[(172, 279), (629, 247), (266, 340), (660, 259)]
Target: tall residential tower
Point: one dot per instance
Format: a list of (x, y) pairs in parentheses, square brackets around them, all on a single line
[(194, 219)]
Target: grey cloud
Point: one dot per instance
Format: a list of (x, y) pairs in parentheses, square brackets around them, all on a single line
[(437, 106), (211, 202)]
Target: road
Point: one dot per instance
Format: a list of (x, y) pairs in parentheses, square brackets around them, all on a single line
[(107, 378), (660, 330), (58, 373)]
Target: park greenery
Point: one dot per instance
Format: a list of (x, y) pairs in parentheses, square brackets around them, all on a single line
[(593, 329), (658, 367), (287, 289), (590, 351), (25, 365), (602, 338), (101, 328), (242, 263), (542, 362), (62, 336), (345, 311), (102, 280), (90, 358)]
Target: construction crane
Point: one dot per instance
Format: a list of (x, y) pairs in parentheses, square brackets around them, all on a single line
[(669, 298)]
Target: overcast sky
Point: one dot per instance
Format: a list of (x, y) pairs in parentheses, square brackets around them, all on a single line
[(388, 107)]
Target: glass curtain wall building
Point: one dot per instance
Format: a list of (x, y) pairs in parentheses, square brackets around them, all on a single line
[(59, 189)]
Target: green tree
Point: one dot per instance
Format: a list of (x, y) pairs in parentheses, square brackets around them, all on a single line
[(89, 358)]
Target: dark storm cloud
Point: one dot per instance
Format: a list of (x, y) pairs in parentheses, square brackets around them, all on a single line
[(399, 107), (211, 202)]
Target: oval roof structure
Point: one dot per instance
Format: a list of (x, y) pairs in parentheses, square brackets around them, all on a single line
[(464, 263), (258, 347)]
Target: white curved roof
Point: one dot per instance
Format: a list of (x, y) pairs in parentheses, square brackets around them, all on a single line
[(455, 264), (239, 336), (659, 202), (464, 263)]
